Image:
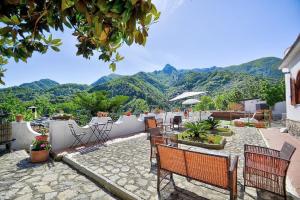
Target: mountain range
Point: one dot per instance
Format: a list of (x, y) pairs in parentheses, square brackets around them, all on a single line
[(158, 86)]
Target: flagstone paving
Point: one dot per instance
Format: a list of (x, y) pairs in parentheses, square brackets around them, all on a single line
[(20, 179), (127, 164)]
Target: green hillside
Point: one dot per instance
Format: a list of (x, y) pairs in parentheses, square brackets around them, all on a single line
[(159, 86)]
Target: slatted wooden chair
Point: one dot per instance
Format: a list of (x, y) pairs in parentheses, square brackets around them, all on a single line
[(267, 168), (155, 138), (211, 169)]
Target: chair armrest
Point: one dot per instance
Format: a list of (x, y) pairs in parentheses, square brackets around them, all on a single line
[(234, 164), (261, 150), (233, 176), (267, 163)]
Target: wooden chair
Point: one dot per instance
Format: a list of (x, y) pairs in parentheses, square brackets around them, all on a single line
[(211, 169), (267, 168), (176, 120), (149, 123), (155, 138)]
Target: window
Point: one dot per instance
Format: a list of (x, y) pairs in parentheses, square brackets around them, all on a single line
[(295, 90)]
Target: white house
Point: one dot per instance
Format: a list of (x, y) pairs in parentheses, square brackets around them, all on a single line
[(290, 66), (254, 105)]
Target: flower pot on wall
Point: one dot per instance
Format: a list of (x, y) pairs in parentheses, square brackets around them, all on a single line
[(39, 156), (41, 138), (19, 118)]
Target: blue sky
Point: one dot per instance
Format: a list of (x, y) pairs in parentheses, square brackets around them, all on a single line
[(189, 34)]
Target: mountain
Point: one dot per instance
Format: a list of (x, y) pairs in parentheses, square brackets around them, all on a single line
[(266, 67), (105, 79), (42, 84), (158, 86)]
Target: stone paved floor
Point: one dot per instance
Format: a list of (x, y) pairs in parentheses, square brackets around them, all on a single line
[(20, 179), (127, 164)]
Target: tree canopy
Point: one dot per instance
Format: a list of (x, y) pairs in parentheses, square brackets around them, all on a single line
[(99, 25)]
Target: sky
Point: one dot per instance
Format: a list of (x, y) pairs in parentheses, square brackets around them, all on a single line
[(189, 34)]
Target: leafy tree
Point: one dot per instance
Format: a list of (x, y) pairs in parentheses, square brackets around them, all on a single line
[(137, 106), (272, 93), (99, 25), (234, 95), (44, 107), (206, 103), (221, 102), (12, 105), (98, 101)]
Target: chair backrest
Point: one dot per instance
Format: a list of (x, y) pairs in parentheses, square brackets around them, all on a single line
[(72, 129), (154, 131), (203, 167), (151, 123), (109, 125), (287, 151), (177, 119), (155, 140)]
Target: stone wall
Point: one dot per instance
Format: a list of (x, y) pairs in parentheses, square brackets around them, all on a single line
[(293, 127)]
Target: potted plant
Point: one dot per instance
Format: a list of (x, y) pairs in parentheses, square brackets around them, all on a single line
[(43, 137), (19, 117), (39, 151), (128, 113)]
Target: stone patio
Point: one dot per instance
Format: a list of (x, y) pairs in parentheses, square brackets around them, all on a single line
[(22, 180), (126, 164)]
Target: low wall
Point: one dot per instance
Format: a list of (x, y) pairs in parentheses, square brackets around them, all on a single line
[(23, 133), (61, 137), (293, 127), (229, 115)]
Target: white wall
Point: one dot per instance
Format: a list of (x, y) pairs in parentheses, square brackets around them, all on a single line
[(293, 112), (61, 137), (250, 105), (23, 133)]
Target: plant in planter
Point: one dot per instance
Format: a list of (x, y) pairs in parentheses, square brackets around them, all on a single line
[(44, 134), (39, 151), (210, 124), (239, 124), (19, 117)]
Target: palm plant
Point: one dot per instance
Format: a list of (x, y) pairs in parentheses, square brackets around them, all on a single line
[(211, 123), (194, 128)]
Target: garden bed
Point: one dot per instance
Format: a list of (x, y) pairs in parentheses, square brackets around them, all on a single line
[(222, 132), (204, 145)]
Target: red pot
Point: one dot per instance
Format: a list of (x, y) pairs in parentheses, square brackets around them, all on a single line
[(39, 156), (19, 118), (41, 138)]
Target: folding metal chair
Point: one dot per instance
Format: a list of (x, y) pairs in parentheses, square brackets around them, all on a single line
[(78, 136), (107, 130)]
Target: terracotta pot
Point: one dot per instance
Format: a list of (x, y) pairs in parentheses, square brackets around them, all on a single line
[(41, 138), (39, 156), (146, 113), (239, 124), (19, 118), (128, 114), (260, 125)]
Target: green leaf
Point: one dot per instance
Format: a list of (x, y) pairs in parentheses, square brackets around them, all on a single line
[(113, 66), (5, 20), (119, 57), (55, 48), (66, 4), (15, 20), (133, 2)]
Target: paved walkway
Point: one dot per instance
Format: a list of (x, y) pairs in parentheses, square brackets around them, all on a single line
[(126, 164), (275, 140), (22, 180)]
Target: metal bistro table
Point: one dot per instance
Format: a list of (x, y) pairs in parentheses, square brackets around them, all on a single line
[(97, 130)]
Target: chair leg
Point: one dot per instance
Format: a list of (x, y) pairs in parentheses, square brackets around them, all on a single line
[(158, 184)]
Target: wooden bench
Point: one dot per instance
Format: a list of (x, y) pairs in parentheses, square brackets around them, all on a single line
[(215, 170)]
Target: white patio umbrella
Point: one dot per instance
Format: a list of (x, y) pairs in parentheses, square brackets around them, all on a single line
[(190, 102), (186, 95)]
